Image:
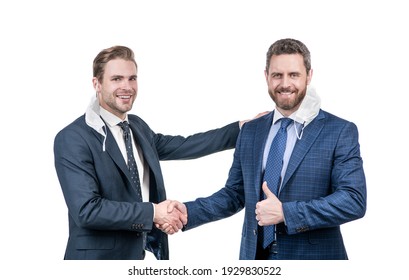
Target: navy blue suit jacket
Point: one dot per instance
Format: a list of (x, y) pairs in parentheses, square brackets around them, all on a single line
[(324, 187), (106, 221)]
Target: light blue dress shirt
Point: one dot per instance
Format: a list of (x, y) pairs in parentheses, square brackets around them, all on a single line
[(291, 140)]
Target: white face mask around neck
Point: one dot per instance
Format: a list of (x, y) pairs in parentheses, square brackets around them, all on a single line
[(309, 109)]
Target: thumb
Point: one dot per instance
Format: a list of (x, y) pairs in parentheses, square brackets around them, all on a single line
[(181, 207), (171, 206), (267, 191)]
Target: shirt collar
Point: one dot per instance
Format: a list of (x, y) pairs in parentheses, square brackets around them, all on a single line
[(110, 118), (278, 116)]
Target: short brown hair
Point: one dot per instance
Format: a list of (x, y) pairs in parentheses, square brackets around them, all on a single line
[(109, 54), (289, 46)]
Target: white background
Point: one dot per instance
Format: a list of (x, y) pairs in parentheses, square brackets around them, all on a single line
[(200, 66)]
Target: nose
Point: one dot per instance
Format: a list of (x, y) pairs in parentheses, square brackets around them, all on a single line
[(126, 85), (285, 82)]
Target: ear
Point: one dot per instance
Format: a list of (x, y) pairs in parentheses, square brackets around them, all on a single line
[(96, 84), (266, 75), (309, 77)]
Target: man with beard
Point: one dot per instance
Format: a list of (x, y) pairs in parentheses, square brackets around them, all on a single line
[(297, 171), (107, 162)]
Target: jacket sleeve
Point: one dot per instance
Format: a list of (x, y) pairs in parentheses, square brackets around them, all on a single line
[(347, 198), (197, 145), (223, 203)]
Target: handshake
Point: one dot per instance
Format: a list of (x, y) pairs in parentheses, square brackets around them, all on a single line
[(170, 216)]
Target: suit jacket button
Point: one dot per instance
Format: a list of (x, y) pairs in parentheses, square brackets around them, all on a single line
[(254, 231)]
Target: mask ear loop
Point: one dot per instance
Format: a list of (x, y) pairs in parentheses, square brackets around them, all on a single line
[(299, 136), (105, 138)]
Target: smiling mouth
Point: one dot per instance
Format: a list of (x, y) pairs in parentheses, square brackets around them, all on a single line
[(286, 93), (125, 97)]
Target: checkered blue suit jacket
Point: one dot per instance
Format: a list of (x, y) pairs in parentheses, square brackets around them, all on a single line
[(324, 187)]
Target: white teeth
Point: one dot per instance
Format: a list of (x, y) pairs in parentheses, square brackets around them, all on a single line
[(124, 97)]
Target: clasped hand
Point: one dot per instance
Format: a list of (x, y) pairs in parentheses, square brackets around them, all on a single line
[(170, 216)]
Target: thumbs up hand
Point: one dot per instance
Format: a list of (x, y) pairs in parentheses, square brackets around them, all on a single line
[(267, 191), (270, 210)]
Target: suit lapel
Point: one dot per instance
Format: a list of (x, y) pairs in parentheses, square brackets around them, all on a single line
[(145, 146), (116, 155), (111, 147), (157, 193), (302, 146), (261, 134)]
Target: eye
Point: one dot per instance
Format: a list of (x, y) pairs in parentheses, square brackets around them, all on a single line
[(276, 75), (133, 78)]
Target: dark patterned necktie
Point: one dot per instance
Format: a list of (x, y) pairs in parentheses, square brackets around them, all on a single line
[(272, 173), (133, 169)]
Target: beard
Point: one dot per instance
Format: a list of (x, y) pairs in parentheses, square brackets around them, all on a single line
[(287, 104), (110, 101)]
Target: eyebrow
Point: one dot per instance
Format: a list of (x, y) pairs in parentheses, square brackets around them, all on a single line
[(282, 73), (295, 73), (121, 77), (116, 76)]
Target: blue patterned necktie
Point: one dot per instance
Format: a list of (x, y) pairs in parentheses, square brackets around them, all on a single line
[(272, 173), (133, 169)]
